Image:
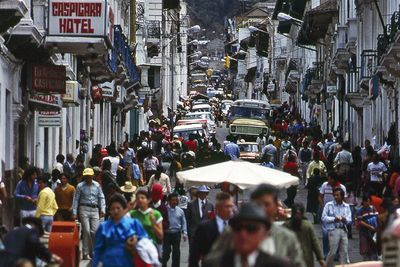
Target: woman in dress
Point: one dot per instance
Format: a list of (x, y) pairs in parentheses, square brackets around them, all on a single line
[(367, 219), (113, 234)]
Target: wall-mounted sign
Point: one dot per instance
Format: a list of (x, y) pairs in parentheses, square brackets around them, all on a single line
[(45, 102), (49, 119), (48, 78), (77, 18), (107, 89), (271, 87), (331, 89), (71, 93)]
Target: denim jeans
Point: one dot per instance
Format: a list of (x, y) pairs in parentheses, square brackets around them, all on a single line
[(47, 221), (171, 239)]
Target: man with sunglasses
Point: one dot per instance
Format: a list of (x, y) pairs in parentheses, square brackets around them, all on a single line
[(249, 228), (280, 241)]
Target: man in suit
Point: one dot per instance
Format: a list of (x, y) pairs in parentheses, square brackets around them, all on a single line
[(198, 210), (249, 227), (208, 231)]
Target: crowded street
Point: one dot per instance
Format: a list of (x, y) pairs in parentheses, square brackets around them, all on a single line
[(214, 133)]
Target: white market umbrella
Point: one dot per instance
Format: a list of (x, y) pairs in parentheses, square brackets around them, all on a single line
[(241, 173)]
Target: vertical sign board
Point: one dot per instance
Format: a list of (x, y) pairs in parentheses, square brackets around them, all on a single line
[(77, 18), (49, 118)]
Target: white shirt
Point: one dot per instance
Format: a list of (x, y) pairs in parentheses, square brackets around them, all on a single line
[(326, 191), (344, 157), (251, 259), (114, 164), (200, 205), (375, 170), (220, 224), (58, 166)]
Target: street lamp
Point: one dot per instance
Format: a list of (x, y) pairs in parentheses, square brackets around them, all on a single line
[(194, 29), (255, 29), (287, 17), (196, 54), (194, 42)]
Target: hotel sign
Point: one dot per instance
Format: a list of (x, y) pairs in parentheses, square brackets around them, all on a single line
[(77, 18)]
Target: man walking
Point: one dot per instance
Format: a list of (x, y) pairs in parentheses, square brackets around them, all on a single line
[(46, 204), (231, 149), (208, 231), (64, 197), (26, 193), (172, 236), (129, 156), (304, 159), (89, 200), (336, 216)]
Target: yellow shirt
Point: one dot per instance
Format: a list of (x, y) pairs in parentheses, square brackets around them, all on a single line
[(46, 204), (313, 165)]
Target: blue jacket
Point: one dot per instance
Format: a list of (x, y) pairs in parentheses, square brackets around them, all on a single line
[(110, 242)]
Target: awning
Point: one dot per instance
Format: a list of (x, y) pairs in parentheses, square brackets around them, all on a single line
[(316, 23)]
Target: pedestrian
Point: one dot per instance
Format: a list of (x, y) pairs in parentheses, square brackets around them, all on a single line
[(151, 219), (69, 167), (177, 229), (316, 163), (129, 156), (162, 178), (137, 177), (313, 185), (267, 162), (89, 201), (292, 168), (367, 221), (325, 196), (336, 215), (26, 193), (232, 149), (64, 196), (150, 164), (249, 228), (107, 178), (59, 163), (46, 204), (306, 236), (199, 210), (343, 161), (24, 243), (53, 180), (208, 231), (271, 150), (304, 159), (376, 174), (112, 235), (114, 159), (128, 190)]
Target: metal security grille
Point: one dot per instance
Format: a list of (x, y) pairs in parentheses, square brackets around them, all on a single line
[(248, 130)]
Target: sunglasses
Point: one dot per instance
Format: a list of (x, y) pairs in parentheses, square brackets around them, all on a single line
[(250, 228)]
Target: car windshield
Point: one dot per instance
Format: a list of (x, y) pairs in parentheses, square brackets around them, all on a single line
[(248, 148), (251, 113), (225, 106), (185, 134), (206, 116)]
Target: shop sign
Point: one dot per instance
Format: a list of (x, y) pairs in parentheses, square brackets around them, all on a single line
[(49, 119), (44, 102), (71, 93), (331, 89), (48, 78), (77, 18), (271, 87), (107, 89)]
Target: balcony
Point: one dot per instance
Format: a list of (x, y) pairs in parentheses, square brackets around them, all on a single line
[(11, 12), (352, 25), (369, 60), (317, 78), (389, 48), (341, 55)]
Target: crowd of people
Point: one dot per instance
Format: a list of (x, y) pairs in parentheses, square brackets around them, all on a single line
[(133, 210)]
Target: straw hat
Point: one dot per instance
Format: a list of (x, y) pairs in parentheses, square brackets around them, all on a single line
[(128, 187)]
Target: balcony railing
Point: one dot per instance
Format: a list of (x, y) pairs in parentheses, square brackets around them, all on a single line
[(369, 59), (318, 71), (153, 29), (353, 79), (383, 44)]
